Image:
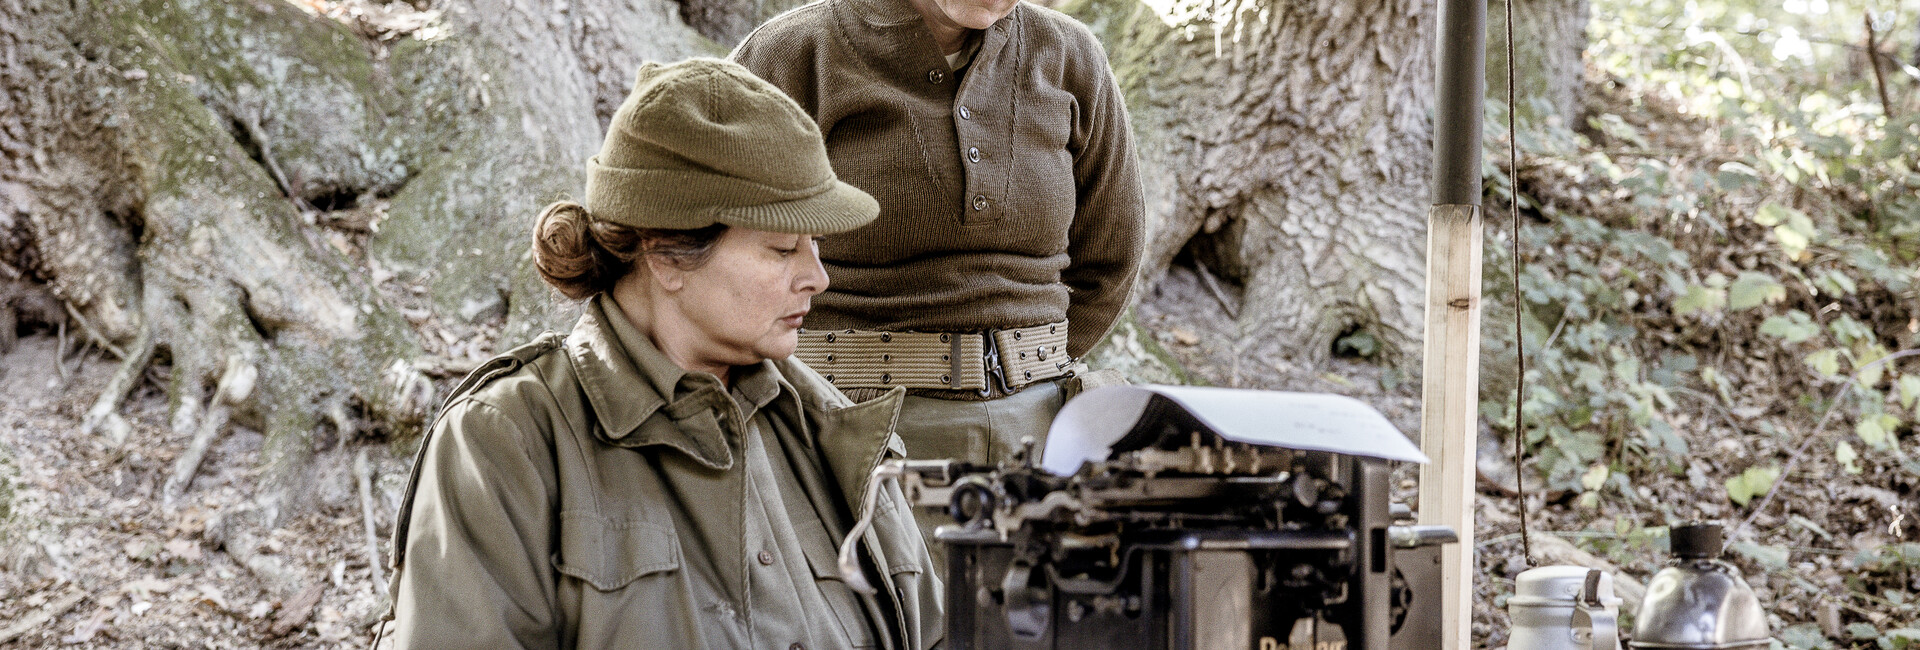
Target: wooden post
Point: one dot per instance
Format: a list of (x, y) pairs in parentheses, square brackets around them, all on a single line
[(1450, 399)]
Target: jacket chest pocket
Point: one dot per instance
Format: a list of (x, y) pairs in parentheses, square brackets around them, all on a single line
[(609, 553)]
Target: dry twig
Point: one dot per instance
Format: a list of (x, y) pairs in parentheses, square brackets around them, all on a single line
[(363, 472), (39, 619), (1213, 287)]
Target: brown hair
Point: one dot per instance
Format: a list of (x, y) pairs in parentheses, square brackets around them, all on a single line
[(581, 256)]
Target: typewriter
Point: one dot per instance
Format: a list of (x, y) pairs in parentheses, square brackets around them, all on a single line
[(1189, 518)]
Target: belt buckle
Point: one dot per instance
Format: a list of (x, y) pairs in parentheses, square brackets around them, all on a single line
[(991, 359)]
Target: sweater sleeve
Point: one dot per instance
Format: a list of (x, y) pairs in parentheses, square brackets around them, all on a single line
[(1105, 240), (477, 571)]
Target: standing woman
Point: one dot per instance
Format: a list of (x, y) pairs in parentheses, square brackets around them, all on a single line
[(663, 476), (995, 139)]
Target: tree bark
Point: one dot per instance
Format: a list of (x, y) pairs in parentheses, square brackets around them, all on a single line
[(1286, 146), (342, 204), (1549, 39)]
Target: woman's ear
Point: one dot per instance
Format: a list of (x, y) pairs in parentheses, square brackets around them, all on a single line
[(670, 276)]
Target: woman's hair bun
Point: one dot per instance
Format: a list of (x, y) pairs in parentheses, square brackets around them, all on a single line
[(578, 255)]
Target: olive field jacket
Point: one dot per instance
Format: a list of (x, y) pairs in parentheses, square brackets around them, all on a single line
[(542, 510)]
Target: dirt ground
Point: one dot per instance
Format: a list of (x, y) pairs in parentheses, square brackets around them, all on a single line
[(92, 559)]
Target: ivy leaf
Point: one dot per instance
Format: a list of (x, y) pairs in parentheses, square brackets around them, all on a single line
[(1752, 290), (1595, 477), (1794, 326), (1826, 362), (1792, 227), (1845, 454), (1871, 431), (1773, 557), (1909, 390), (1700, 299), (1751, 483)]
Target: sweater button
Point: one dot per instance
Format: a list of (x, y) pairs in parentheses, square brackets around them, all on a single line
[(766, 557), (965, 114), (936, 75), (979, 202), (973, 154)]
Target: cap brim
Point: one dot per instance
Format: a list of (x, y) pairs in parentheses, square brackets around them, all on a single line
[(841, 208)]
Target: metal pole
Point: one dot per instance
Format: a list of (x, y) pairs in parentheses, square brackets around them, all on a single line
[(1451, 370), (1459, 97)]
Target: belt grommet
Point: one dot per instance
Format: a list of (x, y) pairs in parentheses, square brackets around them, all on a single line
[(886, 378), (886, 337), (1016, 335), (946, 357), (944, 338), (885, 358), (1029, 374), (1023, 355), (829, 337), (1052, 329), (945, 379), (829, 358), (829, 379)]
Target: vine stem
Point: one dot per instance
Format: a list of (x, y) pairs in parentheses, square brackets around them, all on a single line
[(1519, 303), (1833, 405)]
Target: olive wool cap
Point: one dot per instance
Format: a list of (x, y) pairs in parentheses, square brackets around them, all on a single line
[(704, 141)]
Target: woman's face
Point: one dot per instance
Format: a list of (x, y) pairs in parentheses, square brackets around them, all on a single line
[(743, 305)]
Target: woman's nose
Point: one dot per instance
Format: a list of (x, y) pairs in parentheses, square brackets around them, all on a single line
[(812, 277)]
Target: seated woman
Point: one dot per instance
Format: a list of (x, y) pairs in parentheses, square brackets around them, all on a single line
[(663, 476)]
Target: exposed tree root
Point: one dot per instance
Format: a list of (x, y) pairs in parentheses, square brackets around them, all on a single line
[(236, 384), (105, 410)]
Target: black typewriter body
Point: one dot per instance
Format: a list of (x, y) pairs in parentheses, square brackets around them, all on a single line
[(1183, 540)]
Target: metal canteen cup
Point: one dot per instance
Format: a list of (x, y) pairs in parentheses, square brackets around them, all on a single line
[(1564, 608)]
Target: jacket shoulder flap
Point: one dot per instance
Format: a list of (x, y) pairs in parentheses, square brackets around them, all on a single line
[(495, 368)]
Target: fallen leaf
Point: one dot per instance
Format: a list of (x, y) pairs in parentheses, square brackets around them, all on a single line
[(84, 632), (184, 549), (1185, 336), (297, 611)]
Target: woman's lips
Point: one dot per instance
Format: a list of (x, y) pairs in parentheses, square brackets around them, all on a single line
[(793, 320)]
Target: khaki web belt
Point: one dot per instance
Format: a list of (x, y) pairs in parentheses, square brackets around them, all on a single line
[(1009, 359)]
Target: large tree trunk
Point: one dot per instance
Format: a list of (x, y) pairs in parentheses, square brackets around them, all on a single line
[(1549, 38), (342, 209), (1286, 146)]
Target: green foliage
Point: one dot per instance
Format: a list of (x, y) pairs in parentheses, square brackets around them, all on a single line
[(1726, 246), (1751, 483)]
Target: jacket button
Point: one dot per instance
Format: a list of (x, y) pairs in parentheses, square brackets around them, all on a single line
[(979, 202), (936, 75), (965, 114), (973, 154), (766, 557)]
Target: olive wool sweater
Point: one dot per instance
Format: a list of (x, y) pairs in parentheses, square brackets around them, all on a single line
[(1008, 191)]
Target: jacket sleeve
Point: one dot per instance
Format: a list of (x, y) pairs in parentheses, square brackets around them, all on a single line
[(477, 571), (1104, 243)]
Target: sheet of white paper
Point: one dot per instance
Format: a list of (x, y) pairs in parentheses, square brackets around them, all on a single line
[(1090, 424)]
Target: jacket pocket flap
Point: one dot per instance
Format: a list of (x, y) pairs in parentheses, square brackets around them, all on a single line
[(609, 553)]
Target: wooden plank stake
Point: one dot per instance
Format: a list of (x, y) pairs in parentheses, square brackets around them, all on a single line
[(1449, 408)]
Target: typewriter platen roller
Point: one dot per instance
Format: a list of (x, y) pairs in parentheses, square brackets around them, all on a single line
[(1191, 519)]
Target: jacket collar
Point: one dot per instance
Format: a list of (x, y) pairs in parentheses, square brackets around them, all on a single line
[(631, 386)]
